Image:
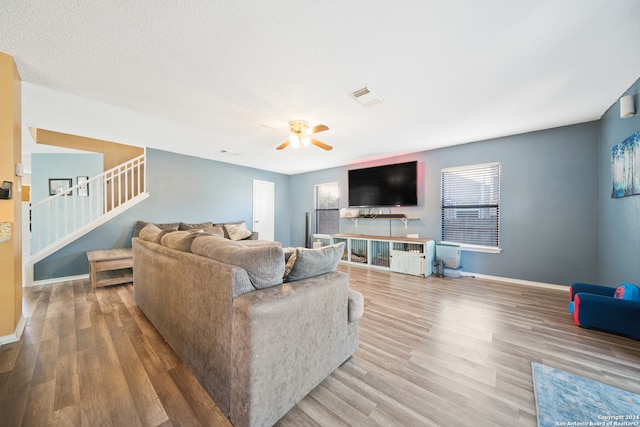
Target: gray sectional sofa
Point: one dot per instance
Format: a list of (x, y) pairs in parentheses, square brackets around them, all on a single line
[(259, 326)]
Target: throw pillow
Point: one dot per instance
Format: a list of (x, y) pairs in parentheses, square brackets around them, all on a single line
[(314, 262), (153, 233), (216, 230), (180, 240), (237, 231), (264, 264), (628, 291), (184, 226), (290, 255), (139, 225)]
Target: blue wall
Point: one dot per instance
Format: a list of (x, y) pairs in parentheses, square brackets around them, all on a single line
[(181, 188), (548, 203), (47, 165), (49, 217), (619, 219)]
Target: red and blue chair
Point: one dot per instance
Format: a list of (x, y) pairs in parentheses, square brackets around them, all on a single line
[(609, 309)]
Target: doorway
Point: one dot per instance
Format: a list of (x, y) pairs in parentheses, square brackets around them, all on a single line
[(264, 209)]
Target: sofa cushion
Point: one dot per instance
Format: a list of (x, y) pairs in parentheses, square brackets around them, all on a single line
[(237, 231), (153, 233), (180, 240), (201, 226), (264, 264), (314, 262), (139, 225)]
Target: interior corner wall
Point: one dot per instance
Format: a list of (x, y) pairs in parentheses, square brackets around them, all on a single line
[(181, 188), (547, 212), (618, 219)]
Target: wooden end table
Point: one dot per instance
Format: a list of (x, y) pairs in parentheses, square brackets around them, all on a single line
[(110, 267)]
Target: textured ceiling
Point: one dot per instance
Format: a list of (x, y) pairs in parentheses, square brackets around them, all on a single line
[(235, 72)]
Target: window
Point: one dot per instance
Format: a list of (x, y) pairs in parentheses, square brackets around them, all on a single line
[(327, 212), (471, 205)]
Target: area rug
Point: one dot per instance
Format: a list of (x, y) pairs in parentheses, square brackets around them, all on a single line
[(564, 399)]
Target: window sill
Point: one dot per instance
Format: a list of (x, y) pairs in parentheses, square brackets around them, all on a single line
[(476, 248)]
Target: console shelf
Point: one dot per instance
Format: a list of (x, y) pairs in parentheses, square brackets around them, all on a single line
[(404, 220), (400, 254)]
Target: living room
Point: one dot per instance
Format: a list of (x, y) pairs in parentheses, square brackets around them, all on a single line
[(558, 222), (556, 249)]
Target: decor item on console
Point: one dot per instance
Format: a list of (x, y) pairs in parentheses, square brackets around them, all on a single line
[(256, 344)]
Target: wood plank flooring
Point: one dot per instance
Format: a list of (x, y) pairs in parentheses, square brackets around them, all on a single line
[(433, 352)]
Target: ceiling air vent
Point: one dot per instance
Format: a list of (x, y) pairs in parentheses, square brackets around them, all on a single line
[(366, 96)]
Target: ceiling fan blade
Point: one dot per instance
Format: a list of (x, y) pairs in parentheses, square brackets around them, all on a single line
[(319, 128), (321, 144), (283, 145)]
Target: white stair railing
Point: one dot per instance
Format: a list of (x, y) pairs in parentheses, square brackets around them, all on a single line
[(69, 212)]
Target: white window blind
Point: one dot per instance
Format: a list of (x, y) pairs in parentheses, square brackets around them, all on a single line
[(327, 213), (471, 205)]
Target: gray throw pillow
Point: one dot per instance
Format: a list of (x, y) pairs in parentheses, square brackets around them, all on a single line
[(201, 226), (264, 264), (290, 256), (217, 230), (153, 233), (180, 240), (314, 262), (237, 231), (139, 225)]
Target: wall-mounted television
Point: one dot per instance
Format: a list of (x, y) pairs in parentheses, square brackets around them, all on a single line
[(388, 185)]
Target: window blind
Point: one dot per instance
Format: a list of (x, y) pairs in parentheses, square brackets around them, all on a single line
[(327, 214), (471, 204)]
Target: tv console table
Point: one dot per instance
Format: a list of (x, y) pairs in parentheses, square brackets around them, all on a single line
[(400, 254)]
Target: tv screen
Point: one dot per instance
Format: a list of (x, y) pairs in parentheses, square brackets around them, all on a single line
[(389, 185)]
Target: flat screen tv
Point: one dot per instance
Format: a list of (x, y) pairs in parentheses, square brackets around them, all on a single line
[(388, 185)]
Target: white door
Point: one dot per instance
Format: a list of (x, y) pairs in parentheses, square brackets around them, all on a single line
[(264, 209)]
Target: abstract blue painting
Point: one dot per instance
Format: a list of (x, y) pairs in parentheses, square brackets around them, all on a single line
[(625, 167)]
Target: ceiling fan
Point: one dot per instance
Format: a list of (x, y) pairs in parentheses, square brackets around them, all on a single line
[(301, 135)]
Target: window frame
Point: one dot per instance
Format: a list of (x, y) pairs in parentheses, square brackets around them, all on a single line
[(318, 210), (493, 168)]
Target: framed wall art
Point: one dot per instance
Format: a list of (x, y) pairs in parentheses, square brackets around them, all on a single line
[(625, 167), (83, 189), (59, 186)]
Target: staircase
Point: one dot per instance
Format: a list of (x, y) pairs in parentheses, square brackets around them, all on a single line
[(73, 212)]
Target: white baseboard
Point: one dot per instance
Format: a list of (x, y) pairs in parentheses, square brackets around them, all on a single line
[(517, 281), (483, 277), (14, 337), (56, 280)]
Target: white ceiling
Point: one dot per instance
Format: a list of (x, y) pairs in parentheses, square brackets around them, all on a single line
[(235, 72)]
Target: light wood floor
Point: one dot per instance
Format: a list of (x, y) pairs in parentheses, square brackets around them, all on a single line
[(433, 352)]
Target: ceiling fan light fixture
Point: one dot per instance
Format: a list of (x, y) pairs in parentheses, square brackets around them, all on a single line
[(300, 136), (294, 140)]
